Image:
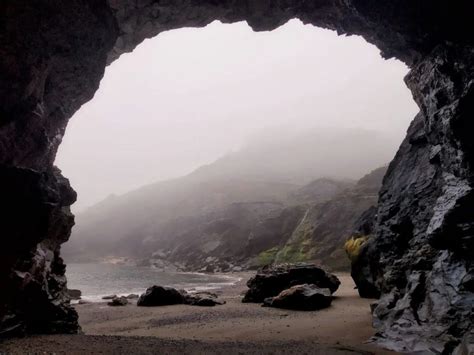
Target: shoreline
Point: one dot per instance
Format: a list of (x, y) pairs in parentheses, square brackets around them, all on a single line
[(235, 327), (123, 284)]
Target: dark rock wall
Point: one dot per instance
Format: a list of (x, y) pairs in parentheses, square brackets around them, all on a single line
[(52, 57), (421, 257)]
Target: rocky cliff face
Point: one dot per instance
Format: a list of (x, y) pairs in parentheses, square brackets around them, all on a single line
[(52, 57), (327, 224), (420, 258), (50, 64)]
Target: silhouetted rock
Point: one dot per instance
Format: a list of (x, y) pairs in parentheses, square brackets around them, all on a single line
[(118, 301), (74, 294), (160, 296), (204, 299), (132, 296), (270, 281), (109, 297), (301, 297)]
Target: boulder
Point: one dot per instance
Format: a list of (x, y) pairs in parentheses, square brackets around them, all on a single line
[(160, 296), (118, 301), (74, 294), (272, 280), (132, 296), (109, 297), (203, 299), (301, 297)]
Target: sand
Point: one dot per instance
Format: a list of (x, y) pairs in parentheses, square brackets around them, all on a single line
[(233, 328)]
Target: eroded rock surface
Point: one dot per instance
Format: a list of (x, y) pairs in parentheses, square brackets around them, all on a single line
[(165, 296), (52, 57), (272, 280), (202, 299), (160, 296), (51, 62), (302, 298), (420, 257), (118, 301)]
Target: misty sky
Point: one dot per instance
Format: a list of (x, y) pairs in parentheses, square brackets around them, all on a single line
[(189, 96)]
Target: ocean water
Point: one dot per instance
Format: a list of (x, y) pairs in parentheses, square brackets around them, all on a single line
[(98, 280)]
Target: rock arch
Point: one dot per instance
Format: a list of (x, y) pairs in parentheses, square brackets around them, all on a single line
[(52, 58)]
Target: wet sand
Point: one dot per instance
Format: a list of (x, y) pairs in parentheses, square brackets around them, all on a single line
[(233, 328)]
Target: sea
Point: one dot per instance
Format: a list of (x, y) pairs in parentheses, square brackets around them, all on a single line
[(97, 280)]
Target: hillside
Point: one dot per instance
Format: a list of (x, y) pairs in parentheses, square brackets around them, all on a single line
[(267, 202)]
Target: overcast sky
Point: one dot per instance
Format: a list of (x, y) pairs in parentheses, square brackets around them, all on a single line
[(189, 96)]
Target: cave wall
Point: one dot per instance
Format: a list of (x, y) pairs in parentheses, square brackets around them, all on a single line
[(52, 58), (420, 258)]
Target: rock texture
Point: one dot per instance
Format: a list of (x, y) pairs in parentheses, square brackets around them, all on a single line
[(52, 57), (50, 64), (302, 298), (160, 296), (202, 299), (420, 258), (165, 296), (118, 301), (272, 280)]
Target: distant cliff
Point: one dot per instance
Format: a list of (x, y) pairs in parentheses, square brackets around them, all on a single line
[(205, 228), (291, 199)]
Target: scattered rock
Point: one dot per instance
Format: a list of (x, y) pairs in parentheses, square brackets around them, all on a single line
[(132, 296), (118, 301), (203, 299), (301, 297), (109, 297), (74, 294), (272, 280), (160, 296)]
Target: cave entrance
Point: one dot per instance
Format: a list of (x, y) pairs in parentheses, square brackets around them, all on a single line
[(235, 125)]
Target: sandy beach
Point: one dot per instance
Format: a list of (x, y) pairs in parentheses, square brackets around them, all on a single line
[(343, 328)]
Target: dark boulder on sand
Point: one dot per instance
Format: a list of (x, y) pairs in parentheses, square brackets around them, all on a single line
[(160, 296), (271, 280), (109, 297), (301, 297), (118, 301), (203, 299), (163, 296)]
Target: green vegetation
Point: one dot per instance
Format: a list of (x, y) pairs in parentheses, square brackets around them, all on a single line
[(300, 246), (292, 254), (267, 257), (354, 245)]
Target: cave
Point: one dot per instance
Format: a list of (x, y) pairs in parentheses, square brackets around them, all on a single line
[(53, 56)]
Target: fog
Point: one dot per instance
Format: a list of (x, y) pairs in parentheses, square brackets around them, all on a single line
[(190, 96)]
